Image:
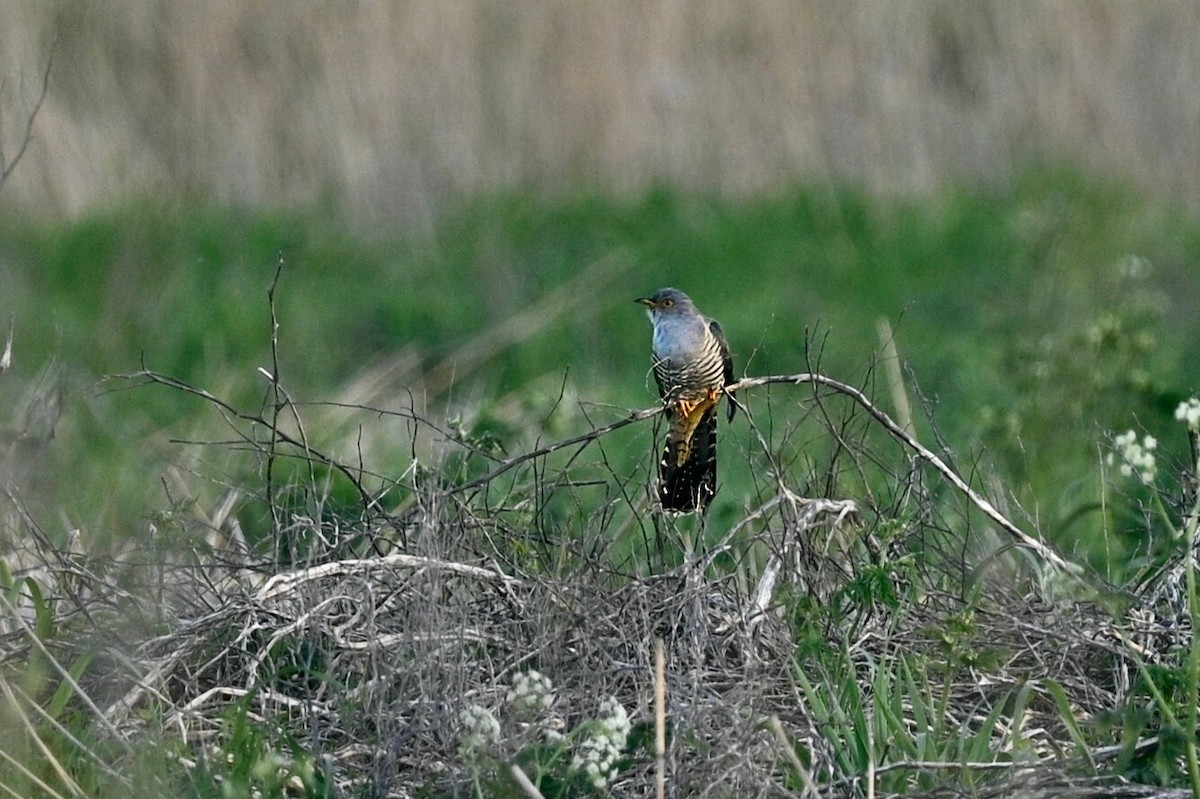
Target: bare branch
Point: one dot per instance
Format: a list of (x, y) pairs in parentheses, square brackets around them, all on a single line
[(287, 582), (7, 167), (583, 438)]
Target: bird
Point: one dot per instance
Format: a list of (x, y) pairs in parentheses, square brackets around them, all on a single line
[(692, 366)]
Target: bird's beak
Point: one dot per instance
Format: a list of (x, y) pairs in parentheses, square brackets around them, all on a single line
[(649, 303)]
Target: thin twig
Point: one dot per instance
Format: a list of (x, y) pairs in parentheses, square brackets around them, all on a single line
[(895, 377), (369, 502), (34, 735), (940, 765), (276, 398), (789, 752), (480, 349), (583, 438), (6, 168), (15, 690)]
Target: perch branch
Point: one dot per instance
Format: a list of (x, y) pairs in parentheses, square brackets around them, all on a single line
[(813, 378), (583, 438)]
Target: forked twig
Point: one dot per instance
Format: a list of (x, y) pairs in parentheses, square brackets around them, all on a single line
[(369, 502)]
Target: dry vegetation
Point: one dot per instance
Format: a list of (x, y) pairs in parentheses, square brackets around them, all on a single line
[(390, 110)]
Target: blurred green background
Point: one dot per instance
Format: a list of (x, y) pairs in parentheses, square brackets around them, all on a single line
[(468, 197)]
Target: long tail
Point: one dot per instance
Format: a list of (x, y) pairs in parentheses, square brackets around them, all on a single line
[(688, 472)]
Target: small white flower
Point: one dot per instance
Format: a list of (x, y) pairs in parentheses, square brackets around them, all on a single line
[(615, 720), (481, 729), (532, 691), (1189, 413), (1135, 457), (596, 756)]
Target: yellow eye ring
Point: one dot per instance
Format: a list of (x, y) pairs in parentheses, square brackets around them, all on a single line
[(667, 303)]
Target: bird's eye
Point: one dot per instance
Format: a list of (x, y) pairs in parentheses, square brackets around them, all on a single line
[(667, 303)]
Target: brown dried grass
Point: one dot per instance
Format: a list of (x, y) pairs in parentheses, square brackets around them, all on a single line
[(367, 646), (393, 110)]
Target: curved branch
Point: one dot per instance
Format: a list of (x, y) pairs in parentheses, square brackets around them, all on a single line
[(1042, 550)]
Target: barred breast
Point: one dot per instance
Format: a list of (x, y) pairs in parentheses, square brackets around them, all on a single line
[(681, 378)]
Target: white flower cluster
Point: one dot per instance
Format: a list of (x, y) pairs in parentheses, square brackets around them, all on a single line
[(597, 755), (481, 729), (1136, 456), (531, 691), (1189, 412)]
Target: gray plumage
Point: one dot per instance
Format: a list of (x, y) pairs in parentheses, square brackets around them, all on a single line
[(692, 366)]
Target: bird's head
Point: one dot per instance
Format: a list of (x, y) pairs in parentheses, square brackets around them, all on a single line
[(665, 303)]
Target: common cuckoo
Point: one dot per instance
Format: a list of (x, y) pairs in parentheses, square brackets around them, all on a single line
[(692, 366)]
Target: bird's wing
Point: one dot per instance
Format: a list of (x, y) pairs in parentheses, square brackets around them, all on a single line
[(726, 359)]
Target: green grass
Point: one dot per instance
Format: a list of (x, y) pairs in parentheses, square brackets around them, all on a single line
[(1012, 308)]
